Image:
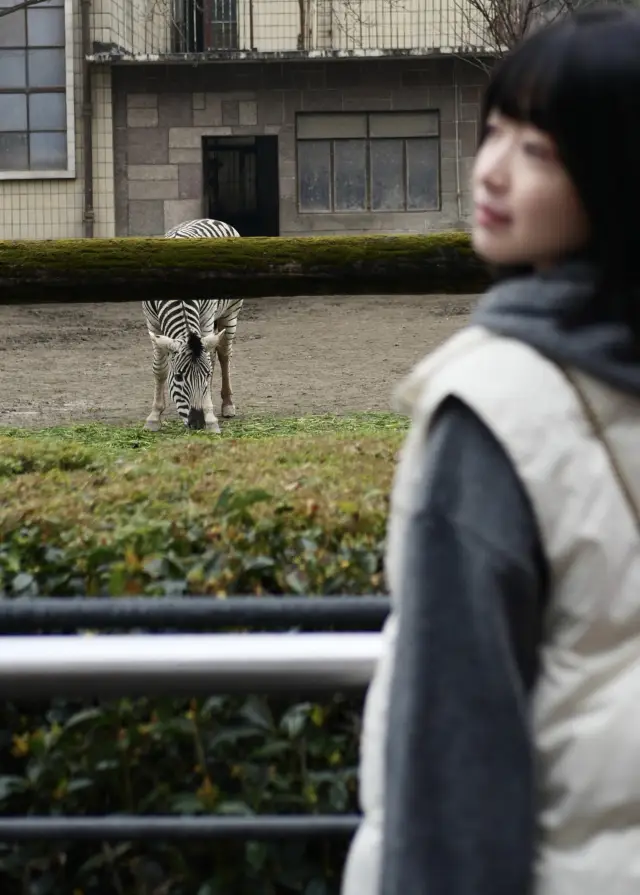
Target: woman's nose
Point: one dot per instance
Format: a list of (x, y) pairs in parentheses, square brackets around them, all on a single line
[(494, 170)]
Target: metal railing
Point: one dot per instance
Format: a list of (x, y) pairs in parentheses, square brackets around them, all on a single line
[(49, 614), (183, 664), (295, 29), (92, 664)]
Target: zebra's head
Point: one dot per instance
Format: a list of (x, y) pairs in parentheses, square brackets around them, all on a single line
[(189, 375)]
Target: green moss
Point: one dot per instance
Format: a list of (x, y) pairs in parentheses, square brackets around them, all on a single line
[(262, 253), (417, 264)]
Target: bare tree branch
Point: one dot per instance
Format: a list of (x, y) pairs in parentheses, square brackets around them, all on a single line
[(359, 29), (6, 11), (493, 27)]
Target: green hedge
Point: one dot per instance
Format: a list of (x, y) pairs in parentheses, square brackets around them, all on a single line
[(176, 518)]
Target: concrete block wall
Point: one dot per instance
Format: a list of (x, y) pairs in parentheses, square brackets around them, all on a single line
[(162, 113)]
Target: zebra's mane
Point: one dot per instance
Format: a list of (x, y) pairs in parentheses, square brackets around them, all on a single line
[(194, 343)]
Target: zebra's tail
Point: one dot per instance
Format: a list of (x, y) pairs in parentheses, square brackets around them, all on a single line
[(194, 343)]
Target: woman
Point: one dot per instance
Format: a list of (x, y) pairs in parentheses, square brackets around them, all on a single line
[(501, 742)]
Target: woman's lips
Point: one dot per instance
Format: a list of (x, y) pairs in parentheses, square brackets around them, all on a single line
[(491, 218)]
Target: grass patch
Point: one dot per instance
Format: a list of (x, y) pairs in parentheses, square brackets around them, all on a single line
[(115, 502), (101, 447), (110, 439)]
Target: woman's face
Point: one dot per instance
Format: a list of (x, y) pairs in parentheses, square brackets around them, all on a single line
[(526, 209)]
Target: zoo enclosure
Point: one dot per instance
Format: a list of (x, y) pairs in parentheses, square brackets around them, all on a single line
[(65, 664)]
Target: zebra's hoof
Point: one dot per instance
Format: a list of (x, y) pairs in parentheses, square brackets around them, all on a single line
[(152, 425), (228, 410), (214, 428)]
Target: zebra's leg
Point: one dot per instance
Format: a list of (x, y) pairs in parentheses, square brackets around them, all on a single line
[(160, 370), (211, 423), (225, 353)]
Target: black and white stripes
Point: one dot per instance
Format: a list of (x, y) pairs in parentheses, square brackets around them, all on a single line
[(203, 228), (186, 334)]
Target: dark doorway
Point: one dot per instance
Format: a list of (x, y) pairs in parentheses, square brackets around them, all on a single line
[(241, 183)]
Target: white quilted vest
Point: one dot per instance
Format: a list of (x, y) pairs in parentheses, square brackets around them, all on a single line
[(585, 710)]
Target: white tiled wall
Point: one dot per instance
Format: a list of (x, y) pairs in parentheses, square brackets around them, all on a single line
[(276, 25), (53, 209), (103, 179), (359, 24), (143, 26), (389, 25), (137, 26)]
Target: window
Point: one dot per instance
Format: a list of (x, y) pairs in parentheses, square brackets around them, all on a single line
[(34, 137), (221, 25), (376, 161)]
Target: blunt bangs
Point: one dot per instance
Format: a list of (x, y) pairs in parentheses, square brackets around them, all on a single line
[(527, 84)]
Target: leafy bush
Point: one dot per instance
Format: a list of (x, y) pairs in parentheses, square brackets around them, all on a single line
[(174, 516)]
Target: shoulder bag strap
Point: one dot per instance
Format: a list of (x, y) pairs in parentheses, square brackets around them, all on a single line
[(599, 433)]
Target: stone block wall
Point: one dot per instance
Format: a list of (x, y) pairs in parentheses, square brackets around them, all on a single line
[(161, 114)]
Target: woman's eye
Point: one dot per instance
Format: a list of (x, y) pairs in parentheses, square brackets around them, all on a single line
[(539, 150)]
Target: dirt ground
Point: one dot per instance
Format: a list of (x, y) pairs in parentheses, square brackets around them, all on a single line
[(75, 363)]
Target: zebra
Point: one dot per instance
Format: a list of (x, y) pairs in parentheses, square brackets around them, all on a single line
[(186, 334)]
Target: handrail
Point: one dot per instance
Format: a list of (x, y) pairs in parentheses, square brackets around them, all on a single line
[(192, 613), (126, 828), (184, 664)]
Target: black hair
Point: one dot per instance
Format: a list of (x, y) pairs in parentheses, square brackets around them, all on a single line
[(578, 80)]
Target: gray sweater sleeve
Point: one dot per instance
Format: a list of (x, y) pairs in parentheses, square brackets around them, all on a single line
[(459, 815)]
